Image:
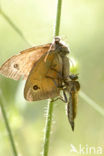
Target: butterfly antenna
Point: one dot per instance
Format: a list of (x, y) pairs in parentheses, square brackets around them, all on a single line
[(48, 52)]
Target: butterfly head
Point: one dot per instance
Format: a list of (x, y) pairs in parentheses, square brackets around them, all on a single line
[(60, 47)]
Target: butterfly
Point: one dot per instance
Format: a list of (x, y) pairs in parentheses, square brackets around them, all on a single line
[(38, 65), (46, 69)]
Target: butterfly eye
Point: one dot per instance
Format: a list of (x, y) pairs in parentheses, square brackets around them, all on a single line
[(35, 87), (16, 66)]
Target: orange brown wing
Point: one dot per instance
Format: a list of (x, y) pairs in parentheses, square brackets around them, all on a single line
[(43, 81), (20, 65)]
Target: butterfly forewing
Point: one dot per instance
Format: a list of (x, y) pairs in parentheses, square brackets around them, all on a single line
[(20, 65)]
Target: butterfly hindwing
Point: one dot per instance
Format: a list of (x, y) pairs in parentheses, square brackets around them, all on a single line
[(44, 78)]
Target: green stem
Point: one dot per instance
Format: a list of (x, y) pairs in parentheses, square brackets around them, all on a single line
[(48, 128), (8, 126), (50, 104), (58, 16)]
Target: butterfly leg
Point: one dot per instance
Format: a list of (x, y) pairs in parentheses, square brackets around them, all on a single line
[(63, 97), (59, 98)]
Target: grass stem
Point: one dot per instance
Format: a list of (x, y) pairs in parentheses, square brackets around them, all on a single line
[(2, 101), (51, 103)]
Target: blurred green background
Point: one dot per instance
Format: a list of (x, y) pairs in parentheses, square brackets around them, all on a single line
[(82, 28)]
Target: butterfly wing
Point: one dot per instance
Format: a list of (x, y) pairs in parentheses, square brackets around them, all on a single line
[(43, 80), (20, 65)]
